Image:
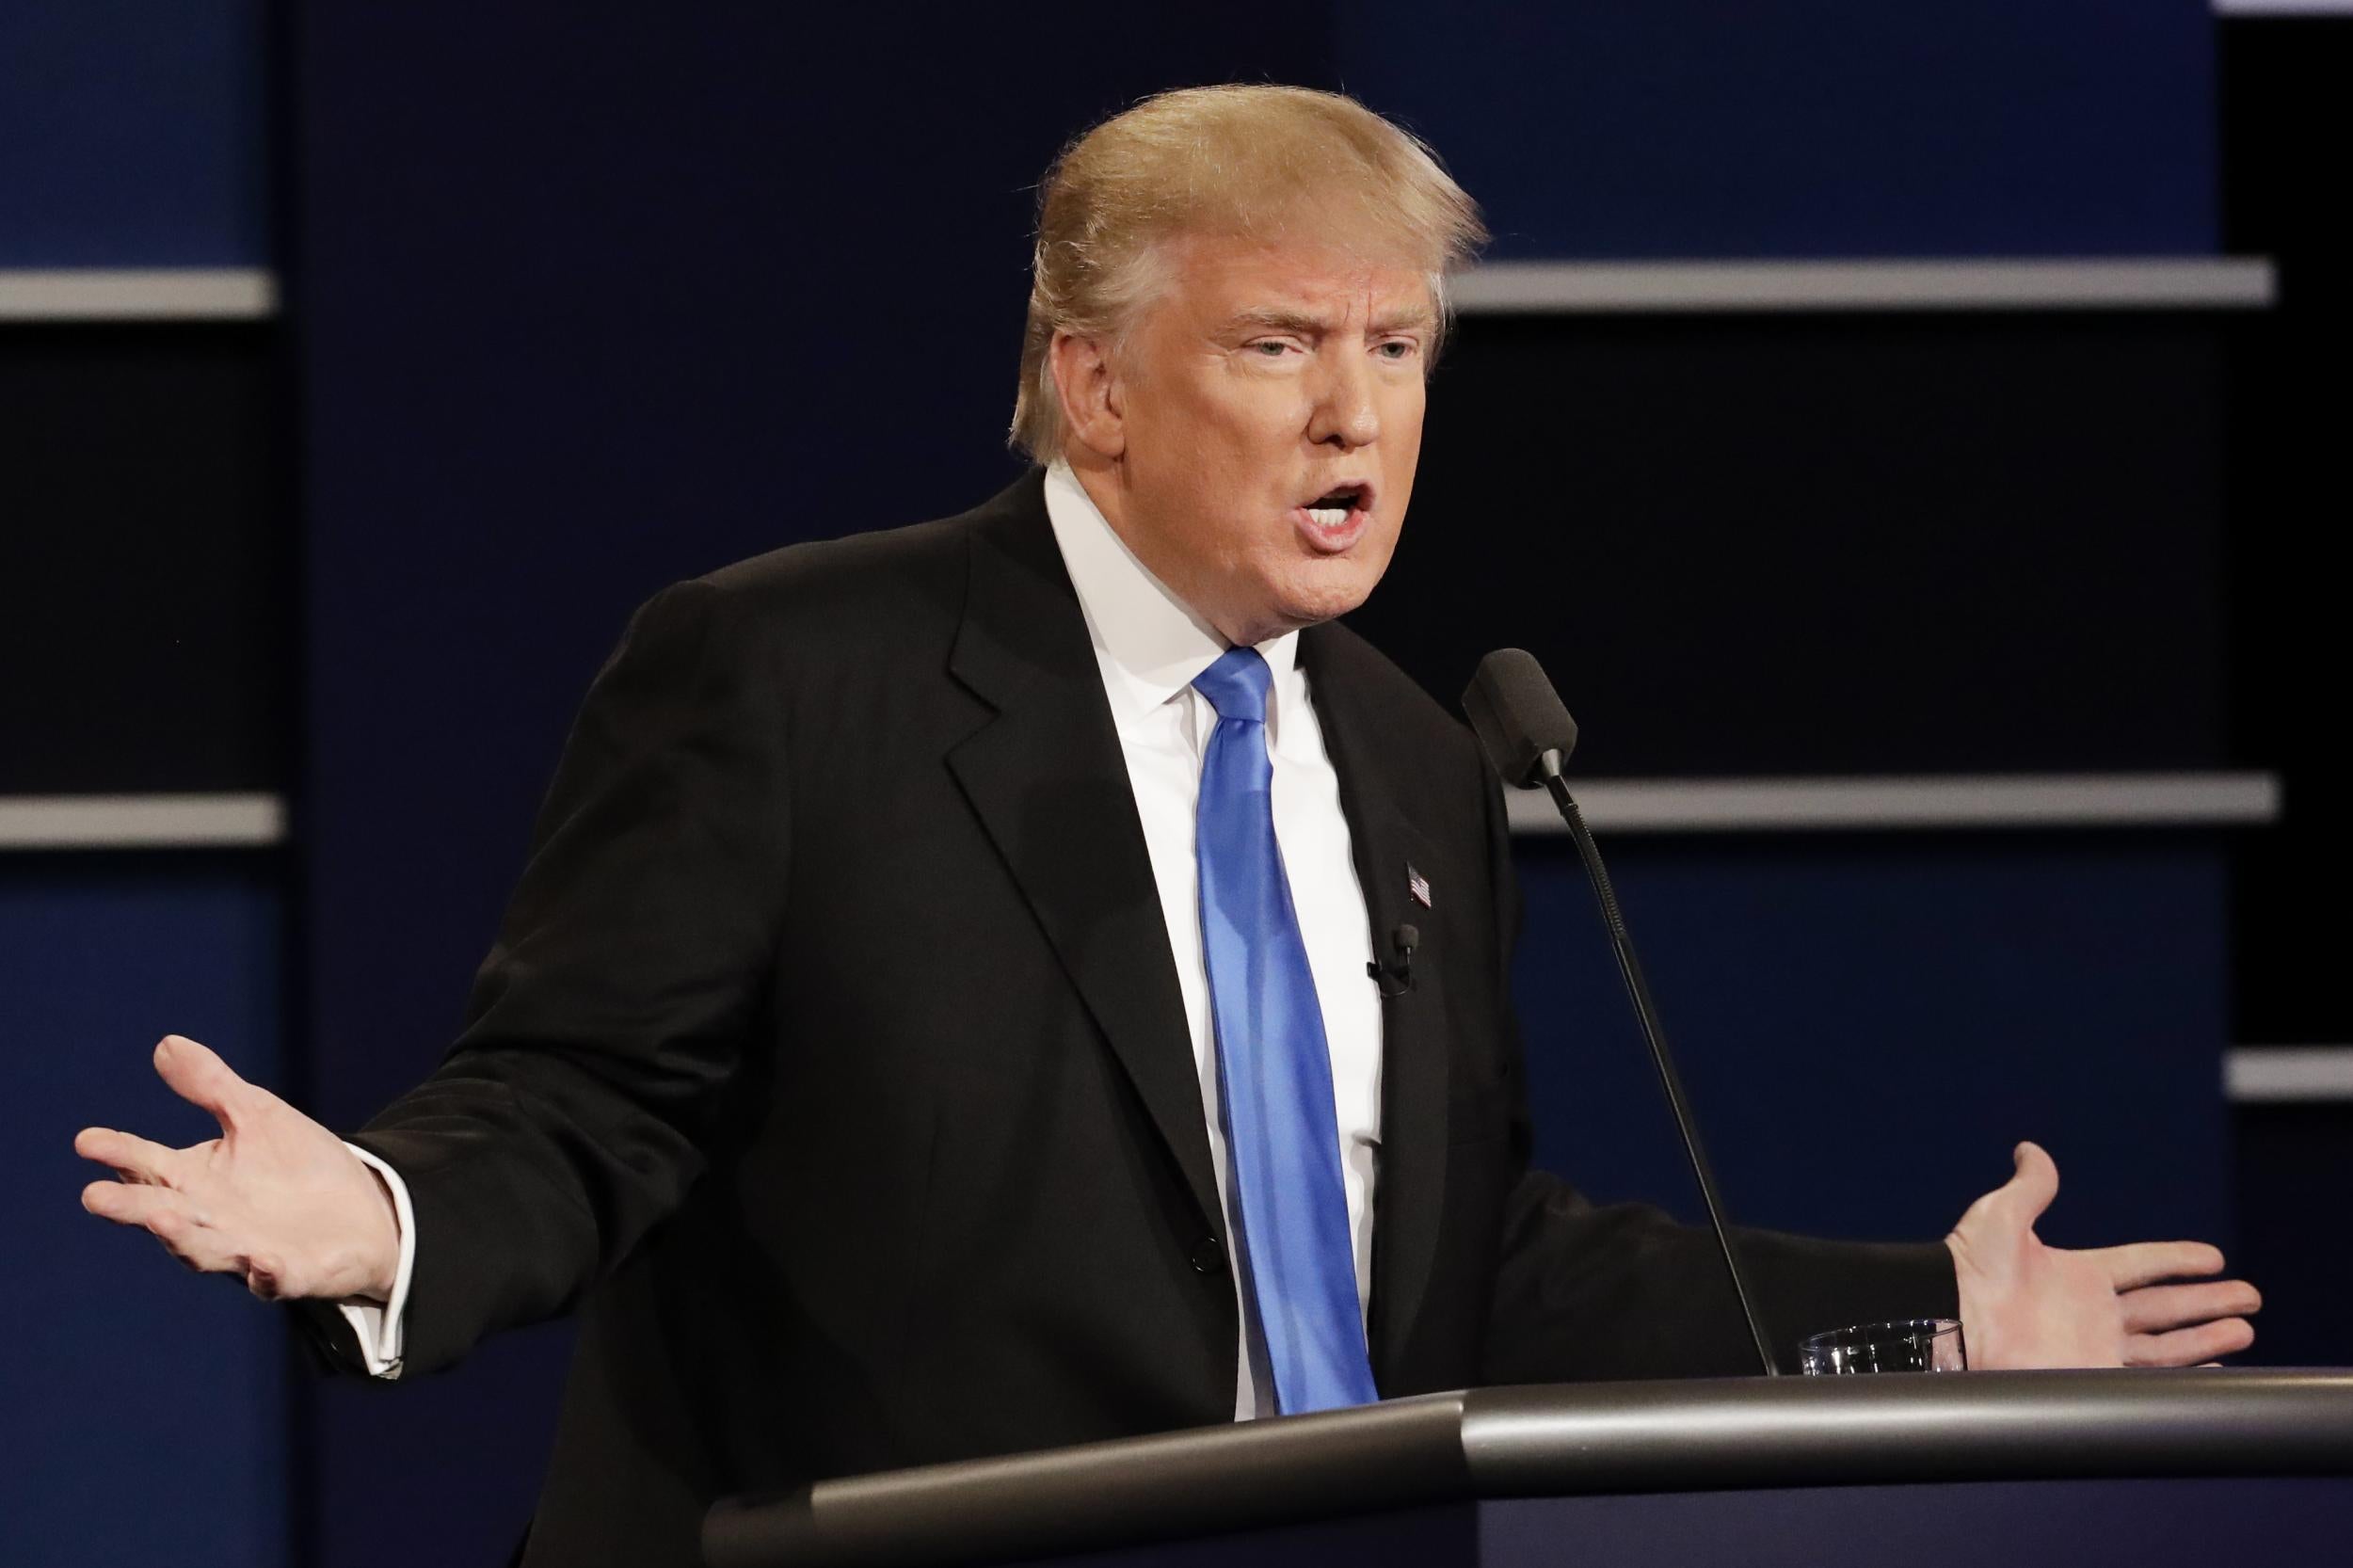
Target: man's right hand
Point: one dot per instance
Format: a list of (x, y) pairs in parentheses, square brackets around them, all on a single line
[(276, 1199)]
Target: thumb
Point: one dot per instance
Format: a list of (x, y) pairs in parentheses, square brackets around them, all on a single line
[(198, 1076), (2033, 1183)]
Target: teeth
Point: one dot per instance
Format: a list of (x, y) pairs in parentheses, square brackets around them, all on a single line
[(1327, 516)]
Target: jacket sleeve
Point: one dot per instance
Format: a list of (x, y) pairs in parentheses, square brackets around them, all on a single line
[(573, 1112), (1597, 1291)]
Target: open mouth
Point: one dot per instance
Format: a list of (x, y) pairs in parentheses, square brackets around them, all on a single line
[(1333, 522), (1334, 508)]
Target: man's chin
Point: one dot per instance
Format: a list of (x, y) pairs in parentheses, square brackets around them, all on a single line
[(1327, 592)]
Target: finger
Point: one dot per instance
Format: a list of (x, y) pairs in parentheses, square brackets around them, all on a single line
[(2189, 1347), (127, 1203), (2154, 1309), (133, 1159), (198, 1076), (167, 1216), (2146, 1262)]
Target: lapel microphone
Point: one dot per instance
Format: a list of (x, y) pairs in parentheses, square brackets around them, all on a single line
[(1395, 977), (1528, 736)]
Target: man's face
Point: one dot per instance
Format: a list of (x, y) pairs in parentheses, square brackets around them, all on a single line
[(1269, 410)]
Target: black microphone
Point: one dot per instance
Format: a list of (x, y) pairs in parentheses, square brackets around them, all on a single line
[(1528, 736), (1395, 977)]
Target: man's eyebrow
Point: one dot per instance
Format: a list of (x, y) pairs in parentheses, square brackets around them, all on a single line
[(1307, 323), (1274, 318)]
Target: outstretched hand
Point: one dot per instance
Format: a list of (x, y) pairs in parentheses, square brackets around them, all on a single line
[(2026, 1304), (276, 1199)]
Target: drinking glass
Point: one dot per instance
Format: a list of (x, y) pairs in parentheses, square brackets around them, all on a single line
[(1910, 1345)]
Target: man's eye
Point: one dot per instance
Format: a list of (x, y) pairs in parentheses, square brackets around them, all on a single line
[(1270, 348), (1398, 348)]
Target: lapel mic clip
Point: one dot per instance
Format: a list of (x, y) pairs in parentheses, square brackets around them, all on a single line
[(1396, 977)]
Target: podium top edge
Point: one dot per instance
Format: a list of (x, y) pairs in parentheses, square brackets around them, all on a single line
[(1872, 1430), (1558, 1440)]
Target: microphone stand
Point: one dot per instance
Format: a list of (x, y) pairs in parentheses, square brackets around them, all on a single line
[(1646, 1014)]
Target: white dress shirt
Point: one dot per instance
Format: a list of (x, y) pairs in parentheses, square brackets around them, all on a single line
[(1148, 647)]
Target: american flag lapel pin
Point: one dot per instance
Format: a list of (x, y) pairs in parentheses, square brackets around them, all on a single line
[(1417, 885)]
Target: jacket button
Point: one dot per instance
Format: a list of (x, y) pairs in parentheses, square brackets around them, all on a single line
[(1208, 1257)]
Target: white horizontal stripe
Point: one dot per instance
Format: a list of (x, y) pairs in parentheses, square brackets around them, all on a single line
[(2135, 282), (90, 294), (1616, 804), (2028, 800), (2284, 8), (141, 822), (2258, 1074)]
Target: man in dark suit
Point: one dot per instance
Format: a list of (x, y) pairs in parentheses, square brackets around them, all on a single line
[(935, 1019)]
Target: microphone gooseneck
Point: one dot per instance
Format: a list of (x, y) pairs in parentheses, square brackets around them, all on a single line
[(1528, 736)]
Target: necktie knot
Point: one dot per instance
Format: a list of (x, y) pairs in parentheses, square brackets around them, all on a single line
[(1237, 686)]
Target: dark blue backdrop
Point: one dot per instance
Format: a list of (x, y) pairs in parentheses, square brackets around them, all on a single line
[(1868, 1025), (145, 1409), (135, 136), (587, 300), (589, 306)]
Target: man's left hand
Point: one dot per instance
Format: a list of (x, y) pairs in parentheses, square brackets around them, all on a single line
[(2026, 1304)]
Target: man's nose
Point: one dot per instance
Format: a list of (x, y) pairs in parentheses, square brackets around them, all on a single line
[(1344, 414)]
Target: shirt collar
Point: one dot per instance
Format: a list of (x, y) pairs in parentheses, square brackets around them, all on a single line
[(1149, 643)]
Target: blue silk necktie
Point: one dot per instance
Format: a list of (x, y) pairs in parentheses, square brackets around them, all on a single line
[(1274, 1071)]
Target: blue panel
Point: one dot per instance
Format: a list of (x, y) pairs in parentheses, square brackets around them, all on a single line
[(1867, 1026), (142, 1408), (133, 135), (1811, 127)]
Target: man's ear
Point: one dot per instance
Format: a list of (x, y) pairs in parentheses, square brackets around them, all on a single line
[(1092, 397)]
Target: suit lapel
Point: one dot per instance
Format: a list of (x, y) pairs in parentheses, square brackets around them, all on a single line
[(1047, 778), (1411, 1193)]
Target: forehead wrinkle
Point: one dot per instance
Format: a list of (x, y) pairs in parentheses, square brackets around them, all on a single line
[(1282, 319), (1401, 318), (1301, 318)]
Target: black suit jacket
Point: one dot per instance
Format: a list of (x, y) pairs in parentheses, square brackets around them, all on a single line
[(831, 1059)]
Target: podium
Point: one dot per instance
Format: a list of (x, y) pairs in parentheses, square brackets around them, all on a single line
[(2208, 1467)]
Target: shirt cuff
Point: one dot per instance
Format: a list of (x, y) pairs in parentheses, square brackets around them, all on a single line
[(378, 1324)]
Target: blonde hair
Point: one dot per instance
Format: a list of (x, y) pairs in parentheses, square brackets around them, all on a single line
[(1246, 161)]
